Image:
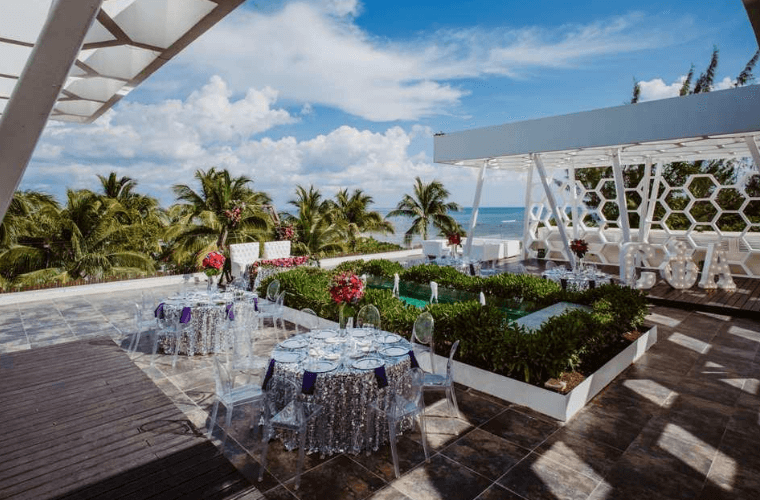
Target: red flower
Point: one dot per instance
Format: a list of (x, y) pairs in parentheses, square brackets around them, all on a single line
[(455, 239), (579, 247), (346, 287), (213, 263)]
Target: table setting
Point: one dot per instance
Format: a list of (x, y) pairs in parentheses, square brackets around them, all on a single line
[(580, 278), (205, 316), (344, 371)]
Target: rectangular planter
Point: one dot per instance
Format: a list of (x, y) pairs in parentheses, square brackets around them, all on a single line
[(559, 406)]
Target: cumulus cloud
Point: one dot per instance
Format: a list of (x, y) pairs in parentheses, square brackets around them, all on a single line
[(163, 144), (656, 88), (316, 53)]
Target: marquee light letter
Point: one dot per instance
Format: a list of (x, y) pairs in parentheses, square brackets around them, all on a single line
[(678, 269), (628, 254), (715, 263)]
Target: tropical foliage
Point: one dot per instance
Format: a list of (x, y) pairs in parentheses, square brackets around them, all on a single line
[(427, 206), (581, 340), (118, 232)]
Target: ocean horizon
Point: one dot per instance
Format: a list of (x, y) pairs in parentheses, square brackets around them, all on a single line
[(493, 222)]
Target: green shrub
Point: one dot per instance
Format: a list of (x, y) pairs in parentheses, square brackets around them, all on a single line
[(578, 338)]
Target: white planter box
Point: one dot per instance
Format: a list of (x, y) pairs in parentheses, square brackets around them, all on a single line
[(559, 406)]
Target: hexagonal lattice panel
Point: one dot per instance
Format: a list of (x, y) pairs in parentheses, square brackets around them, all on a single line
[(699, 212)]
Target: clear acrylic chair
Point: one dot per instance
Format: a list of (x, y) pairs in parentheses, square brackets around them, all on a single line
[(231, 396), (444, 382), (402, 405), (368, 317), (286, 408), (273, 310), (273, 290), (144, 324), (309, 321), (244, 335), (422, 335)]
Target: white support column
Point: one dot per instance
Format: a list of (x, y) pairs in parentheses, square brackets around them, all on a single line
[(644, 205), (553, 204), (475, 207), (526, 212), (644, 237), (37, 89), (620, 189), (752, 145), (574, 213)]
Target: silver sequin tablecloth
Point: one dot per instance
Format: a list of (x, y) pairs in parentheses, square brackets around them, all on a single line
[(346, 424), (209, 324)]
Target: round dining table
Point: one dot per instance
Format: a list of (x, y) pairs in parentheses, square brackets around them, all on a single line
[(344, 374), (577, 279), (204, 319)]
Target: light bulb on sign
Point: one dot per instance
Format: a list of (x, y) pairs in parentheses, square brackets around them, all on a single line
[(678, 269)]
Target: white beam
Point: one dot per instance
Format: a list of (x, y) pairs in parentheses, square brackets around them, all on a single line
[(526, 212), (475, 207), (752, 146), (643, 206), (617, 169), (37, 89), (553, 204), (574, 212), (644, 236)]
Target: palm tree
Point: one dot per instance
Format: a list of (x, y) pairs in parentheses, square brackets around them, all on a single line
[(18, 221), (351, 212), (425, 207), (84, 239), (317, 229), (225, 210), (118, 189)]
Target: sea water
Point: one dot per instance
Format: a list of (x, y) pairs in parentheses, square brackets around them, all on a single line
[(493, 222)]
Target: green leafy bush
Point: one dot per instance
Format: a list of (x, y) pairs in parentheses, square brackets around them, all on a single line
[(576, 339)]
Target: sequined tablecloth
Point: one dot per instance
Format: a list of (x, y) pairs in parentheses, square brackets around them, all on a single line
[(209, 323), (578, 280), (346, 424)]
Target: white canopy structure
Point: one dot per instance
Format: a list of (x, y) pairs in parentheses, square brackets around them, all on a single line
[(722, 124), (72, 60)]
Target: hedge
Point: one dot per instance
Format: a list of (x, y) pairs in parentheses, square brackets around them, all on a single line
[(578, 339)]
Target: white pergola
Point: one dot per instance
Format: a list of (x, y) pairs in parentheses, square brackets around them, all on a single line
[(72, 60), (714, 125)]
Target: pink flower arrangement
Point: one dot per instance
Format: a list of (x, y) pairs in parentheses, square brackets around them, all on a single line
[(213, 263), (235, 215), (285, 232), (346, 288), (284, 262)]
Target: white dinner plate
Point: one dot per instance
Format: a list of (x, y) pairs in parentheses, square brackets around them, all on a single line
[(360, 332), (388, 338), (321, 366), (294, 343), (324, 334), (368, 363), (286, 356), (394, 350)]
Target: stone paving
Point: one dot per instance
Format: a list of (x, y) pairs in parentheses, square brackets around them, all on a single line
[(683, 422)]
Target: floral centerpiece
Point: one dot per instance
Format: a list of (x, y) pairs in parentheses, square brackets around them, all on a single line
[(235, 214), (213, 264), (455, 239), (579, 248), (285, 232), (346, 288)]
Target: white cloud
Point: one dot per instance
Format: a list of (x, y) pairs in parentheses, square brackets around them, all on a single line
[(316, 53), (163, 144), (656, 88)]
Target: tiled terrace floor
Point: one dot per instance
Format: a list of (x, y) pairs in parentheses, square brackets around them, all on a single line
[(683, 422)]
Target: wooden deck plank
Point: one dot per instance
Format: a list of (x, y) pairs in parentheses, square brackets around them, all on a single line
[(80, 420)]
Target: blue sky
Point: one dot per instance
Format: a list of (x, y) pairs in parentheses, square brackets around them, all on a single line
[(347, 94)]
